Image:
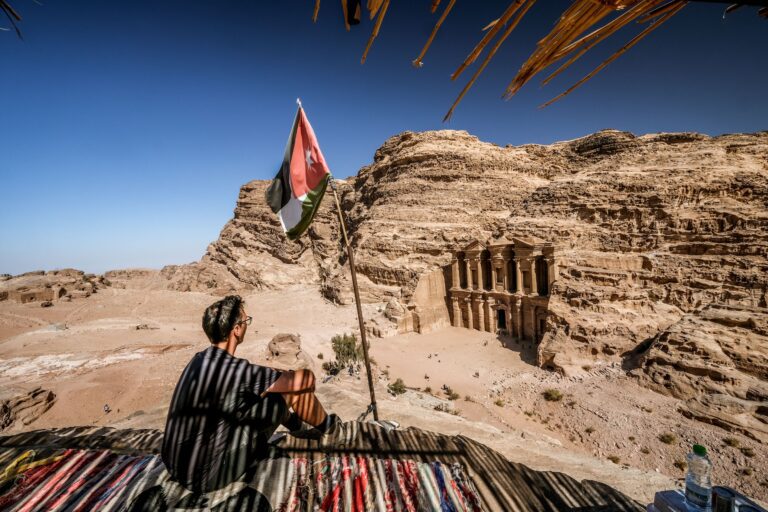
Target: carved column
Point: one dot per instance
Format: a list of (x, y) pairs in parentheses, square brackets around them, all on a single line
[(481, 314), (456, 313), (505, 274), (491, 318), (455, 279), (519, 275), (534, 284), (479, 272), (534, 326), (469, 272), (510, 325), (520, 326), (514, 327), (551, 273), (493, 276), (469, 313)]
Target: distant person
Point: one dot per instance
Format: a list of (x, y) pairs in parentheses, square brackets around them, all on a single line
[(225, 409)]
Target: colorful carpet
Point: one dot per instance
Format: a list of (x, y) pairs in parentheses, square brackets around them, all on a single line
[(366, 467), (84, 480)]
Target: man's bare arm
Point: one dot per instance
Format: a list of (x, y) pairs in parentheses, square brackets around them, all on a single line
[(298, 381)]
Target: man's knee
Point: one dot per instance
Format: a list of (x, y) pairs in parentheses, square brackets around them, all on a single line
[(308, 380)]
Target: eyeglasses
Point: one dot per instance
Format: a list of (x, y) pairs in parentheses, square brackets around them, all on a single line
[(247, 320)]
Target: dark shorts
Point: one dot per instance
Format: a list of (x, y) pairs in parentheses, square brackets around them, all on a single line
[(237, 462)]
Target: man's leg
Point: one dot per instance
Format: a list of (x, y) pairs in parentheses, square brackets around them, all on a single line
[(307, 407)]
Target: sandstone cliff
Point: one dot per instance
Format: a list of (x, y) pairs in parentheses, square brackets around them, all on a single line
[(650, 229)]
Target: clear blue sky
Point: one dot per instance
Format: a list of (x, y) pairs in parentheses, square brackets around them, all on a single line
[(127, 128)]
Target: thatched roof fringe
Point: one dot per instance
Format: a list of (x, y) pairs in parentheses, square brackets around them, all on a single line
[(590, 41), (488, 57), (513, 7), (566, 39), (417, 61), (653, 26), (384, 4)]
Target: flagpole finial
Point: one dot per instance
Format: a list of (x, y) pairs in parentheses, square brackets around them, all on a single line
[(298, 102)]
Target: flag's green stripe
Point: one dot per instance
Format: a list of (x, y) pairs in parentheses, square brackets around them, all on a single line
[(309, 208)]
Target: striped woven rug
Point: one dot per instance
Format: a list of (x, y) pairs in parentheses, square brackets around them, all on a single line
[(84, 480)]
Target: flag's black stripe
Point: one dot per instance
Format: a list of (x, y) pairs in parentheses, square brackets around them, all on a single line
[(279, 191)]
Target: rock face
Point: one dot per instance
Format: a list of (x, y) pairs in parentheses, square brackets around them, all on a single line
[(284, 352), (717, 361), (251, 252), (650, 230), (24, 407), (41, 286)]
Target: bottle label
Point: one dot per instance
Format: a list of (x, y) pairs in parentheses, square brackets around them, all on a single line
[(697, 496)]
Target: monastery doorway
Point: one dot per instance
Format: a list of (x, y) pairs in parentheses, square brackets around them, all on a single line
[(501, 320)]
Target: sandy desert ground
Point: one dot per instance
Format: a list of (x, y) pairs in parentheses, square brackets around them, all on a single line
[(90, 353)]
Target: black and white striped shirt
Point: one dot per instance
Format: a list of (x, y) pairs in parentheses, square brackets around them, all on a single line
[(215, 418)]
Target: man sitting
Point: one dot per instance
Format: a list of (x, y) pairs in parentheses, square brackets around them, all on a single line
[(225, 409)]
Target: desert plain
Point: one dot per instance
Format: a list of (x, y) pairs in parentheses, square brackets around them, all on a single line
[(124, 348)]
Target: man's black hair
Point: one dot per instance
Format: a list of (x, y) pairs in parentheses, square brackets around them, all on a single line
[(220, 317)]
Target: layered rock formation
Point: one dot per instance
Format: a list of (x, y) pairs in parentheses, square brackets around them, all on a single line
[(18, 407), (648, 228), (717, 361), (47, 287), (650, 231)]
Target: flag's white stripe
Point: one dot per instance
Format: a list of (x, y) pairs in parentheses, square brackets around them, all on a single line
[(290, 214)]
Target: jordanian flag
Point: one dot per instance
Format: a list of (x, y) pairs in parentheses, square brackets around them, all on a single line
[(298, 188)]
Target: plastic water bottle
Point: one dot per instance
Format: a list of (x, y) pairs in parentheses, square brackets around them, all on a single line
[(698, 481)]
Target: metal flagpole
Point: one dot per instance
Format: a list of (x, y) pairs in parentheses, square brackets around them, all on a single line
[(351, 256)]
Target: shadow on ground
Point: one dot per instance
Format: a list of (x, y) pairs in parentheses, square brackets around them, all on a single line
[(526, 348)]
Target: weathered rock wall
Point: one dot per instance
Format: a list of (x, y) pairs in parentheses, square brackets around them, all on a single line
[(717, 362), (649, 229)]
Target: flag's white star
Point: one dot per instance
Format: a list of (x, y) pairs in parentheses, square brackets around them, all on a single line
[(308, 158)]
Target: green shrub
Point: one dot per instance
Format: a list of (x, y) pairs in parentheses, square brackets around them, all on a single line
[(320, 355), (499, 402), (680, 464), (732, 442), (397, 387), (552, 395), (346, 348), (332, 367), (667, 438), (614, 458), (748, 452), (450, 393), (428, 390), (589, 430), (645, 450)]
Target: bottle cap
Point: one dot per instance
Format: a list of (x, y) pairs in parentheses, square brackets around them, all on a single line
[(699, 450)]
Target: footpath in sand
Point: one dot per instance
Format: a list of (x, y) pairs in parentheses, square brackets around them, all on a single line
[(125, 348)]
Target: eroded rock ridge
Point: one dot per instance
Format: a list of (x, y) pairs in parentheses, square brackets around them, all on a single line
[(650, 231)]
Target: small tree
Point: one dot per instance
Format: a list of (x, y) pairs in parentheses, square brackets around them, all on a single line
[(397, 387), (346, 348)]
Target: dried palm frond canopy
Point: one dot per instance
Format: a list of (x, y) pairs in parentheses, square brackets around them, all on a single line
[(12, 15), (582, 26)]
